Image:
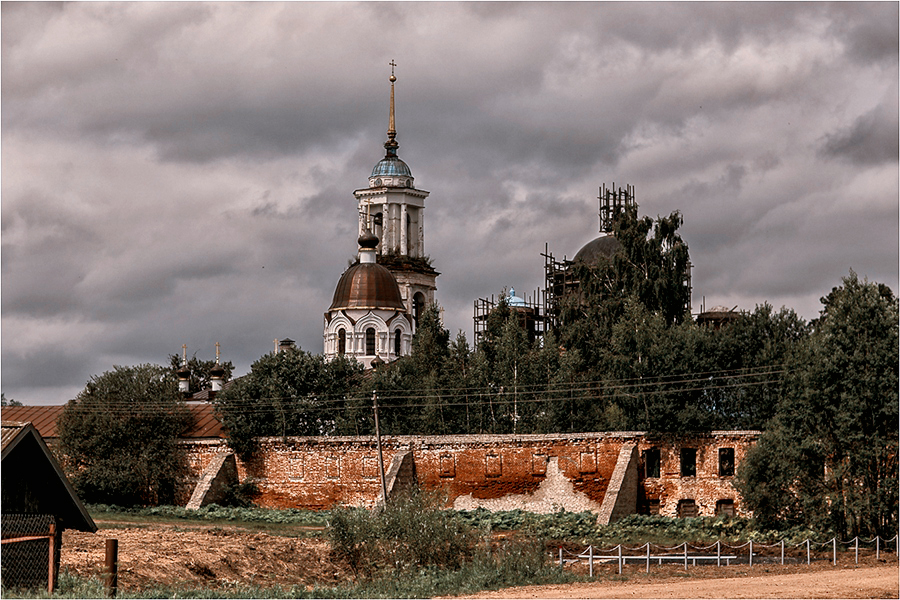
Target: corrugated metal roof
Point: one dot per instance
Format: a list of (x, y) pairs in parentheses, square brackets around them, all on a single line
[(42, 417), (206, 424), (8, 432)]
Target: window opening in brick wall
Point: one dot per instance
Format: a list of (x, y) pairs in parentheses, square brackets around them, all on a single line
[(493, 465), (688, 462), (687, 508), (370, 341), (653, 507), (448, 465), (397, 342), (725, 507), (342, 341), (651, 462), (726, 462)]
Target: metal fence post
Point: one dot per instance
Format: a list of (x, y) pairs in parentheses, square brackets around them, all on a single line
[(648, 557), (560, 558), (751, 553), (856, 548), (685, 556), (620, 559), (877, 547), (591, 558), (834, 550), (718, 553), (782, 551), (112, 567), (807, 550)]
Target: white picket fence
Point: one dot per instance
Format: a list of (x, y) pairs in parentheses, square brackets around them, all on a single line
[(653, 553)]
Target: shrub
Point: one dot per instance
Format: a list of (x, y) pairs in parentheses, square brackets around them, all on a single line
[(411, 532)]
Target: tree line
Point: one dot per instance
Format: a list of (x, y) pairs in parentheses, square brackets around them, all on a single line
[(626, 356)]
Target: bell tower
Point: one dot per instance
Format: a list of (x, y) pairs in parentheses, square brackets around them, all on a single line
[(393, 209)]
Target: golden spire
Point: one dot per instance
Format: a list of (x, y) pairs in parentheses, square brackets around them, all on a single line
[(184, 354), (391, 145), (217, 352), (391, 131)]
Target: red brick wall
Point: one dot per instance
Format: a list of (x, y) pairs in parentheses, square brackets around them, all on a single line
[(503, 471)]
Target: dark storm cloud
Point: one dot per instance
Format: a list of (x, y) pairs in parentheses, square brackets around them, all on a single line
[(870, 140), (183, 172)]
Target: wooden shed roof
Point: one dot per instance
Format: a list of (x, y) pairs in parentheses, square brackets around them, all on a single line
[(32, 478)]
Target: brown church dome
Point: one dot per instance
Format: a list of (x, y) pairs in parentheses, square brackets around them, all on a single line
[(368, 286)]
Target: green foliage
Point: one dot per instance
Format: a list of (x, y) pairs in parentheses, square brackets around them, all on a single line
[(9, 402), (650, 266), (212, 512), (200, 369), (830, 457), (291, 392), (411, 532), (118, 437)]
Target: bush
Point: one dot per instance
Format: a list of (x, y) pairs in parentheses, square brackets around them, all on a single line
[(411, 532)]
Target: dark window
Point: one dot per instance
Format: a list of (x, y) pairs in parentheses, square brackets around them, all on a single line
[(397, 342), (370, 341), (653, 507), (725, 507), (687, 508), (418, 307), (726, 462), (688, 462), (342, 341), (651, 462)]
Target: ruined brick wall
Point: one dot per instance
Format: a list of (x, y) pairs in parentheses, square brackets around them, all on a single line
[(541, 473), (707, 488)]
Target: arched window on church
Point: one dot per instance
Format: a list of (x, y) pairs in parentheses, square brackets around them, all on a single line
[(418, 307), (342, 341), (378, 225), (397, 342), (370, 341)]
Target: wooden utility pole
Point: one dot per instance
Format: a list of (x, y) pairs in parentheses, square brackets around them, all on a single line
[(380, 454)]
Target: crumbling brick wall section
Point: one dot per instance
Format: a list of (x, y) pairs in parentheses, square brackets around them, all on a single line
[(539, 473)]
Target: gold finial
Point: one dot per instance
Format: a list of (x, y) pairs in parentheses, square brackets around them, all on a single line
[(184, 354), (276, 345), (391, 130), (217, 352)]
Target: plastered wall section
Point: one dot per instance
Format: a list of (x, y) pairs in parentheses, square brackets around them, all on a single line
[(501, 472)]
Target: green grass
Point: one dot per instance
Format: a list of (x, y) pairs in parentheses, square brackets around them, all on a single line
[(289, 522), (501, 570)]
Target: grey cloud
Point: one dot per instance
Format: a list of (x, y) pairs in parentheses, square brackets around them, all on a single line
[(184, 173), (870, 140)]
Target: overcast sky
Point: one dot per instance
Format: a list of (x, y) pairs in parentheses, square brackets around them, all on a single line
[(178, 173)]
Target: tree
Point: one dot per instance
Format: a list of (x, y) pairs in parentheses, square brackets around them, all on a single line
[(834, 441), (200, 369), (10, 402), (650, 267), (119, 437), (291, 392)]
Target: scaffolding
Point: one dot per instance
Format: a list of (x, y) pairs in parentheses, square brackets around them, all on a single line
[(530, 314), (614, 201)]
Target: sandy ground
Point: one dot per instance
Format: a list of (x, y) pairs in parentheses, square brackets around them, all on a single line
[(863, 582), (218, 557)]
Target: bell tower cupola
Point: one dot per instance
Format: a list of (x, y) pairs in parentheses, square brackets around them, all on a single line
[(393, 210)]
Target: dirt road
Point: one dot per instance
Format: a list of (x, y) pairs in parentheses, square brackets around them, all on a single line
[(864, 582)]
